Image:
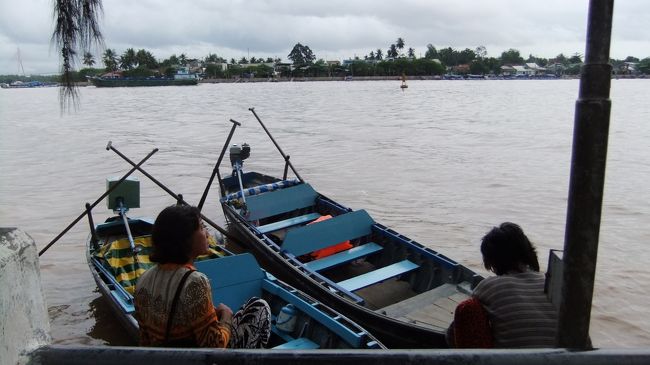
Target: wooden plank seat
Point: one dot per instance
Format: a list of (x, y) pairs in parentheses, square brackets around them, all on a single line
[(377, 276), (344, 257), (298, 344), (275, 226), (280, 201), (314, 237)]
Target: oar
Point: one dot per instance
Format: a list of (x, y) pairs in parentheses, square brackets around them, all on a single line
[(175, 196), (215, 171), (286, 158), (89, 207)]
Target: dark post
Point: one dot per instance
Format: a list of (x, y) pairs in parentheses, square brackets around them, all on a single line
[(591, 128)]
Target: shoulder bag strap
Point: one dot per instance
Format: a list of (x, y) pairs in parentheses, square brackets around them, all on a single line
[(174, 303)]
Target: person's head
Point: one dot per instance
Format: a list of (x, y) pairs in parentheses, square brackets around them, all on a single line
[(507, 249), (178, 235)]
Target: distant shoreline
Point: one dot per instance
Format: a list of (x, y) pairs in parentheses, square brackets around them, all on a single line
[(376, 78)]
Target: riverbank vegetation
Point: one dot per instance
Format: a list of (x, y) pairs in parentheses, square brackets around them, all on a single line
[(396, 60)]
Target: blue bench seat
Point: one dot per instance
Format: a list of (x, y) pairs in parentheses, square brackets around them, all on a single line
[(344, 256), (298, 344), (317, 236), (275, 226), (379, 275)]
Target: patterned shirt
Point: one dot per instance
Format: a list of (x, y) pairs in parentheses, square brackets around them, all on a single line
[(520, 313), (195, 319)]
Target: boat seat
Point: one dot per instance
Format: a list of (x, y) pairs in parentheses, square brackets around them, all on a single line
[(344, 257), (234, 279), (317, 236), (280, 201), (377, 276), (298, 344), (275, 226)]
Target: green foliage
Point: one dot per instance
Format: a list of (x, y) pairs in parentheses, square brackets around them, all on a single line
[(644, 66), (110, 60), (431, 53), (301, 55), (511, 57), (128, 60)]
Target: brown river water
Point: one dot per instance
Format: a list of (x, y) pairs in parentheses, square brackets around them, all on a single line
[(441, 162)]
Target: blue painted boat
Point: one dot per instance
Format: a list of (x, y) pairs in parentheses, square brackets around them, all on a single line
[(401, 291), (118, 253)]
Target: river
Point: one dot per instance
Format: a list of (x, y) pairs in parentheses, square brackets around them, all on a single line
[(442, 162)]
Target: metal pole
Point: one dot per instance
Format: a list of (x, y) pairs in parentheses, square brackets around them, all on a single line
[(135, 167), (591, 129), (286, 159), (215, 171)]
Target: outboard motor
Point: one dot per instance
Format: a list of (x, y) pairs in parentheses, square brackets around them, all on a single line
[(237, 156), (239, 153)]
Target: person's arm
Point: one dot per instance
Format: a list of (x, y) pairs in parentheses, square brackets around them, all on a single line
[(208, 329)]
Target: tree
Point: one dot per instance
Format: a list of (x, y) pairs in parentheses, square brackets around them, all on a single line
[(399, 44), (644, 66), (431, 52), (576, 58), (481, 52), (89, 59), (392, 51), (232, 61), (561, 58), (411, 53), (301, 55), (511, 57), (76, 30), (448, 56), (371, 55), (631, 59), (379, 55), (110, 60), (145, 59), (128, 60), (466, 56), (243, 61)]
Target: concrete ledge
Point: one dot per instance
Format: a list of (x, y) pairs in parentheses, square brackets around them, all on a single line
[(24, 322), (72, 355)]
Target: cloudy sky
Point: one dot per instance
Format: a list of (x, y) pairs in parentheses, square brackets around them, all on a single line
[(333, 29)]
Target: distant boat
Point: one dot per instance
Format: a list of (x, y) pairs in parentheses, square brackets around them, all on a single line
[(28, 84), (114, 79)]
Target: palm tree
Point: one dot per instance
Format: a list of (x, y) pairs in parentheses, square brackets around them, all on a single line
[(182, 59), (400, 44), (89, 59), (379, 54), (128, 60), (76, 30), (411, 53), (110, 60)]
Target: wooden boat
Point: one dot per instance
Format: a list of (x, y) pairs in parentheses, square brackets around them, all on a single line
[(118, 253), (400, 290)]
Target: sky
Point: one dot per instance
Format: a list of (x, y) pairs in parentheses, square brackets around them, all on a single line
[(333, 29)]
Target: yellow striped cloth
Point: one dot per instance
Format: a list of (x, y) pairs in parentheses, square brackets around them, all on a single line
[(119, 257)]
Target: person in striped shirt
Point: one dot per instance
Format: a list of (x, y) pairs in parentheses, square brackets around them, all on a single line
[(519, 312)]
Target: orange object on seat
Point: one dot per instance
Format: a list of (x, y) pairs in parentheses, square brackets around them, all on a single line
[(328, 251)]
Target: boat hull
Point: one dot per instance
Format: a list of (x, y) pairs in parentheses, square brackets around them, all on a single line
[(389, 328), (123, 82), (326, 327)]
